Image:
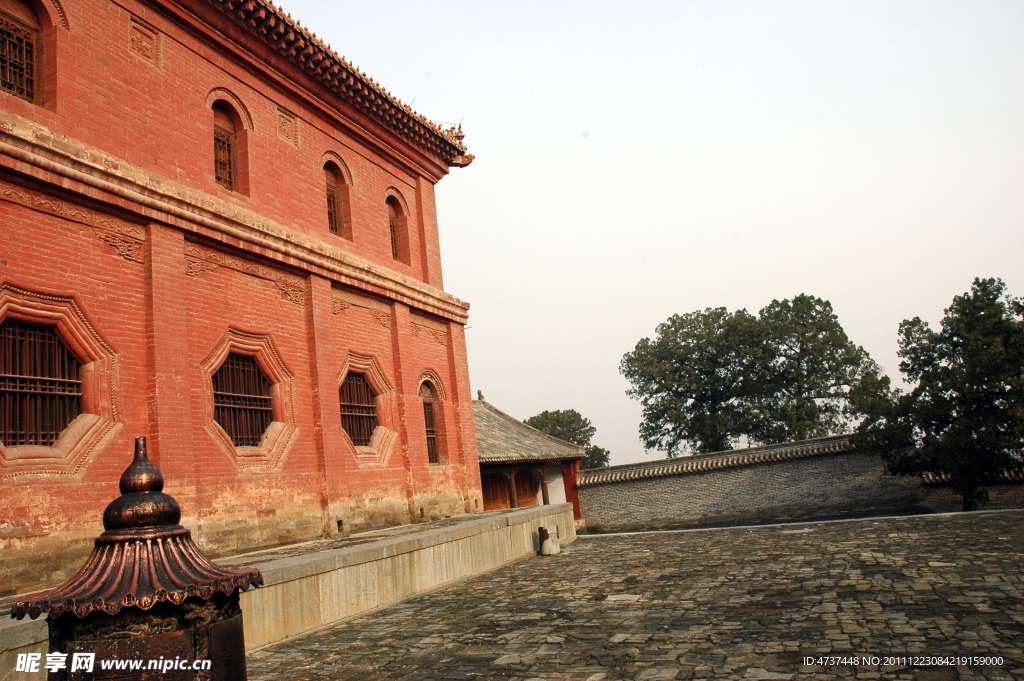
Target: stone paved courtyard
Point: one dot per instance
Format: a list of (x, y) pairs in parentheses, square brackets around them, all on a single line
[(747, 603)]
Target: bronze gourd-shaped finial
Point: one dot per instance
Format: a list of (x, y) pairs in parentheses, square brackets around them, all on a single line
[(142, 502)]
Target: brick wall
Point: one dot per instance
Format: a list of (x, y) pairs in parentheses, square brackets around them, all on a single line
[(999, 496), (108, 199), (831, 483), (812, 479)]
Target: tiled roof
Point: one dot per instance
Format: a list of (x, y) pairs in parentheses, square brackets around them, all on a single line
[(503, 439), (1004, 477), (689, 465), (295, 42)]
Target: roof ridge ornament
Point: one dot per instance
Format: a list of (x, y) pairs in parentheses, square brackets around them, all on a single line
[(344, 78)]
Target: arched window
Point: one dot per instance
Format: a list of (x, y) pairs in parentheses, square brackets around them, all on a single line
[(224, 147), (242, 401), (428, 395), (339, 218), (396, 226), (19, 30), (40, 390), (358, 409)]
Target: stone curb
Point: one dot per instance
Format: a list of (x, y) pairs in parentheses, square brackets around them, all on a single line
[(15, 634)]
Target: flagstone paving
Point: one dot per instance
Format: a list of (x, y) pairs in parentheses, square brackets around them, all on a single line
[(749, 603)]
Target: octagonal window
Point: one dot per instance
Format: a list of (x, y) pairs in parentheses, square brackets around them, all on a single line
[(242, 402), (358, 409), (40, 387)]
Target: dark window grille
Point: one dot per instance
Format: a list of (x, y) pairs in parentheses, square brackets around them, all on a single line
[(17, 59), (358, 411), (223, 158), (242, 403), (427, 395), (333, 209), (40, 393), (393, 224), (428, 417)]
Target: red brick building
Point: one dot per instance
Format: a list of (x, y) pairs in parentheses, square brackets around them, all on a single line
[(217, 233)]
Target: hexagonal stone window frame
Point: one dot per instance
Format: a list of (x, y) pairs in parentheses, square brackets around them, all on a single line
[(283, 430), (384, 437), (99, 422)]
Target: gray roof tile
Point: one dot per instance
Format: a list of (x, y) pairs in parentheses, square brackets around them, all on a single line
[(503, 439), (698, 463)]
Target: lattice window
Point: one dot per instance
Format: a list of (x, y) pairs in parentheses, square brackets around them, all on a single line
[(242, 403), (358, 409), (224, 158), (427, 395), (428, 417), (333, 208), (40, 393), (339, 219), (393, 225), (17, 59)]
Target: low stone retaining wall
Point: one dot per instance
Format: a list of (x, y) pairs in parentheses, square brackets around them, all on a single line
[(310, 586), (811, 478)]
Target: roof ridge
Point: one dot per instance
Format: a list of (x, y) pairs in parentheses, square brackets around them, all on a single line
[(730, 458)]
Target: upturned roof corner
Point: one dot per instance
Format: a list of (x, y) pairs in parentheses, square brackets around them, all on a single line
[(296, 43)]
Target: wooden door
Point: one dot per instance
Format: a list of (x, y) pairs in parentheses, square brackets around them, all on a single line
[(495, 488)]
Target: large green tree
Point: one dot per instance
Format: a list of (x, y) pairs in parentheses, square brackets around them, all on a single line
[(692, 380), (964, 415), (573, 427), (807, 367), (710, 377), (596, 457)]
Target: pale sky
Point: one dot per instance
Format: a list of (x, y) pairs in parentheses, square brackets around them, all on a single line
[(636, 160)]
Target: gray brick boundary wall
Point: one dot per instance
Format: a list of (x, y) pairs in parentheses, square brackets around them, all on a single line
[(810, 479)]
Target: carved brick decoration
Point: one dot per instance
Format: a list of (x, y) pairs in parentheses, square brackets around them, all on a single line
[(194, 267), (436, 330), (144, 42), (236, 104), (384, 436), (129, 249), (125, 238), (288, 127), (199, 260), (58, 16), (343, 300), (283, 430), (98, 423), (352, 299), (435, 380), (440, 336)]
